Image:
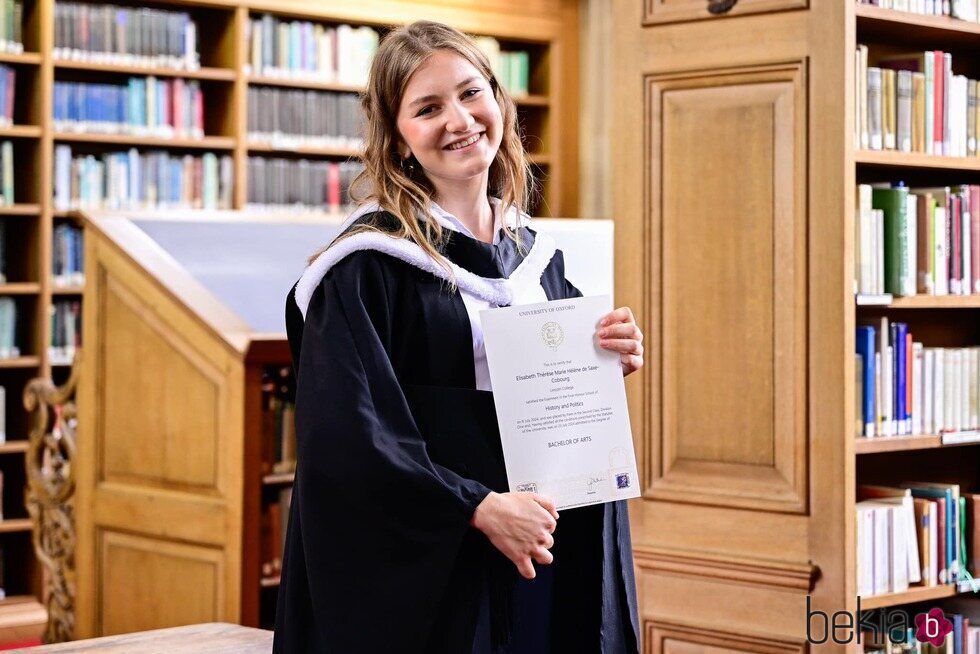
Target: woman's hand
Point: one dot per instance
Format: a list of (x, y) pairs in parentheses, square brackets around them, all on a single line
[(520, 526), (619, 332)]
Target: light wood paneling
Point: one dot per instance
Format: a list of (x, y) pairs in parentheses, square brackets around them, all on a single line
[(172, 583), (732, 281), (155, 444), (665, 638), (731, 249)]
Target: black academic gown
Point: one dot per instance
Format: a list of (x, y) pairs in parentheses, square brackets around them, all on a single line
[(396, 449)]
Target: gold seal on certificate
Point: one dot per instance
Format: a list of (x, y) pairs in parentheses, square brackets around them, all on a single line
[(561, 402)]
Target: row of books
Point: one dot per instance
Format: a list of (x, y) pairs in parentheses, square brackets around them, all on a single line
[(11, 20), (66, 330), (290, 118), (905, 388), (275, 184), (963, 637), (278, 427), (918, 533), (4, 236), (275, 515), (962, 9), (141, 180), (125, 35), (511, 68), (917, 241), (67, 264), (8, 88), (913, 102), (8, 329), (145, 106), (310, 51)]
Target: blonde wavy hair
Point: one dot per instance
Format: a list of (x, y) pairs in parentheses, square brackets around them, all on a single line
[(406, 192)]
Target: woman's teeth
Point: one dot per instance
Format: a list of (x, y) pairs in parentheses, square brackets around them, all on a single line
[(462, 144)]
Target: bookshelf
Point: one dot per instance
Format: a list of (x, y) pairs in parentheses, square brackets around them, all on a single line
[(736, 249), (548, 31)]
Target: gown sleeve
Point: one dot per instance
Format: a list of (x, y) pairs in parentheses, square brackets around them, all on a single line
[(375, 525)]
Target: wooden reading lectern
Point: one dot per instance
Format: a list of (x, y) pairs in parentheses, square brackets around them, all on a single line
[(184, 333)]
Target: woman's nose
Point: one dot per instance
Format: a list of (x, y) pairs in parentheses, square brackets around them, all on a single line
[(459, 118)]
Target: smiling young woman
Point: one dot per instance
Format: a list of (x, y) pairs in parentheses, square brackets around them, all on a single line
[(402, 536)]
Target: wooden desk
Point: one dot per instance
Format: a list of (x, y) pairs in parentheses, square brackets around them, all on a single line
[(213, 638)]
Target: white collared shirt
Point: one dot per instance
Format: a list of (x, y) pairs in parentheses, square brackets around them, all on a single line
[(475, 305)]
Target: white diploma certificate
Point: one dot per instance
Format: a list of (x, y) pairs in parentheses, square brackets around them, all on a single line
[(561, 402)]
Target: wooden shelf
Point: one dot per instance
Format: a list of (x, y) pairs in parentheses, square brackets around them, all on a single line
[(21, 362), (897, 443), (20, 209), (206, 143), (22, 617), (875, 23), (67, 290), (279, 478), (262, 148), (912, 595), (15, 525), (269, 582), (13, 447), (20, 288), (540, 159), (31, 58), (316, 85), (20, 131), (221, 74), (892, 158), (936, 302), (532, 101)]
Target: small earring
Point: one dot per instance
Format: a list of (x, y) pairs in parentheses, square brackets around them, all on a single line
[(408, 164)]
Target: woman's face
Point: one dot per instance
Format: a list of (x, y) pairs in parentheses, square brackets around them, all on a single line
[(449, 119)]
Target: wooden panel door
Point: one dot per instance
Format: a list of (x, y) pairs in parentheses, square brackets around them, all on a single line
[(160, 482), (728, 253)]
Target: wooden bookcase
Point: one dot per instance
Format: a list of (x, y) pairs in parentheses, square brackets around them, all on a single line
[(735, 250), (547, 28)]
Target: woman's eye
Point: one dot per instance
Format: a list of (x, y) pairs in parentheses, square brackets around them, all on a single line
[(425, 110), (470, 93)]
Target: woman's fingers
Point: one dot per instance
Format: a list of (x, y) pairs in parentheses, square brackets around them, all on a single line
[(526, 568), (547, 504), (623, 346), (543, 556), (621, 330), (622, 314)]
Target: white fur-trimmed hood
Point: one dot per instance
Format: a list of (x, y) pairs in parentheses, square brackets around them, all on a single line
[(497, 291)]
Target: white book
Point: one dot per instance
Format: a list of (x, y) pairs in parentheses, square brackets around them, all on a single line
[(928, 373), (951, 409), (917, 405), (864, 249), (975, 387), (964, 388), (882, 550), (938, 397), (865, 552)]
